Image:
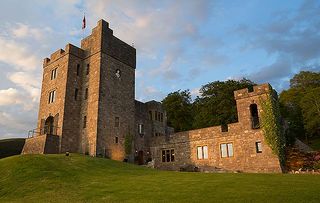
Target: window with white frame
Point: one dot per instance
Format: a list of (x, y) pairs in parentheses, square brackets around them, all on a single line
[(52, 96), (202, 152), (226, 150), (258, 147), (140, 129), (53, 74), (168, 155)]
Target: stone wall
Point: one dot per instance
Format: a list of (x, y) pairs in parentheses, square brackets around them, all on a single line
[(43, 144), (243, 138)]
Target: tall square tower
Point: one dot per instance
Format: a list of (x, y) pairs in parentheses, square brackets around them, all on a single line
[(87, 98)]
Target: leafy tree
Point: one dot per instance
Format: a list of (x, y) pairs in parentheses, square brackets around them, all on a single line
[(179, 110), (310, 106), (299, 105), (217, 105), (305, 79)]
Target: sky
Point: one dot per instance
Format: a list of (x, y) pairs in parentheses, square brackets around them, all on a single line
[(180, 44)]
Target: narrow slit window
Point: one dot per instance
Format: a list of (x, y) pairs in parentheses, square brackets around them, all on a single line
[(84, 121), (86, 94), (76, 94), (258, 147), (117, 122), (78, 69), (88, 69)]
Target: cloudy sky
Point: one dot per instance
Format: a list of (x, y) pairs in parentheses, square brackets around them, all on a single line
[(180, 44)]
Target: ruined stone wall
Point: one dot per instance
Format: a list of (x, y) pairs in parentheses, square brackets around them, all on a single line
[(243, 138)]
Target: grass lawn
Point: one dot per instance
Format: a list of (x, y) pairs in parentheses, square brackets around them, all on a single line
[(78, 178), (10, 147)]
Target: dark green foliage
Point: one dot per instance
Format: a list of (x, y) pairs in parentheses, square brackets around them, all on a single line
[(272, 126), (310, 106), (10, 147), (299, 106), (179, 110), (216, 104), (128, 144)]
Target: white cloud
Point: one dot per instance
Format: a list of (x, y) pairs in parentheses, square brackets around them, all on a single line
[(28, 82), (195, 92), (23, 31), (17, 55), (9, 97)]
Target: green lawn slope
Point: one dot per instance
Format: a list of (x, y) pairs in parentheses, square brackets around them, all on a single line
[(10, 147), (77, 178)]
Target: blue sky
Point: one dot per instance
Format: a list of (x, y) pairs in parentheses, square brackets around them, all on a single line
[(180, 45)]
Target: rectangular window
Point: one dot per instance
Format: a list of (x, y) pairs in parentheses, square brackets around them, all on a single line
[(86, 94), (202, 152), (52, 96), (150, 115), (199, 153), (172, 155), (226, 150), (78, 69), (161, 119), (116, 122), (205, 152), (258, 147), (76, 94), (84, 121), (88, 69), (53, 73), (156, 115), (140, 129), (163, 156), (116, 140), (168, 155)]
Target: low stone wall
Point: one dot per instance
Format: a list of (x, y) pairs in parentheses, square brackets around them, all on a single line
[(245, 157), (42, 144)]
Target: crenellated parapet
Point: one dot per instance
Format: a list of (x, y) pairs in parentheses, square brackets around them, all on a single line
[(257, 90), (69, 49)]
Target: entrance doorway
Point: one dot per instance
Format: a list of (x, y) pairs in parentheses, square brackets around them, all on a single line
[(140, 158), (48, 125)]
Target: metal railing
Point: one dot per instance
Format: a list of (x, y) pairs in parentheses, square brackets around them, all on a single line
[(49, 130)]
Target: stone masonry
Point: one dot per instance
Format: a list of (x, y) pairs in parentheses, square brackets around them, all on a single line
[(88, 106)]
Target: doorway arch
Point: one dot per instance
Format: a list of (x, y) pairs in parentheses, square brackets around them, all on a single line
[(48, 125)]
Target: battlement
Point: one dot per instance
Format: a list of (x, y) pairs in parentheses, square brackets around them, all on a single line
[(257, 90), (69, 49)]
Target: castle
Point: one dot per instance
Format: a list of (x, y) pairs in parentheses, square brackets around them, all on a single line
[(88, 106)]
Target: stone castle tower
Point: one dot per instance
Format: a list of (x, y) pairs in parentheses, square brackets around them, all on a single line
[(87, 98)]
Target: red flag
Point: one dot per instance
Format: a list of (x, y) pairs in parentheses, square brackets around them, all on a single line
[(84, 22)]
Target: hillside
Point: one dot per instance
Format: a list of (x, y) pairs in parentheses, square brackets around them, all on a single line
[(77, 178), (9, 147)]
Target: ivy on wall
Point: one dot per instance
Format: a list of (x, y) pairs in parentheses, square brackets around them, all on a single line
[(128, 144), (271, 125)]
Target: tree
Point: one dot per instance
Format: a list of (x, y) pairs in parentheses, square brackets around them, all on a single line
[(310, 106), (217, 105), (298, 106), (305, 79), (179, 110)]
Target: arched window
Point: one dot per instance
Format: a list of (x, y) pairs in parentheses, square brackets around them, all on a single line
[(255, 124)]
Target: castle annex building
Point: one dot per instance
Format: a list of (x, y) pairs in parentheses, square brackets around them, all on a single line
[(88, 106)]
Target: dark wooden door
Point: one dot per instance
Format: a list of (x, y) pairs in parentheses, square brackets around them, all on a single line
[(140, 158)]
